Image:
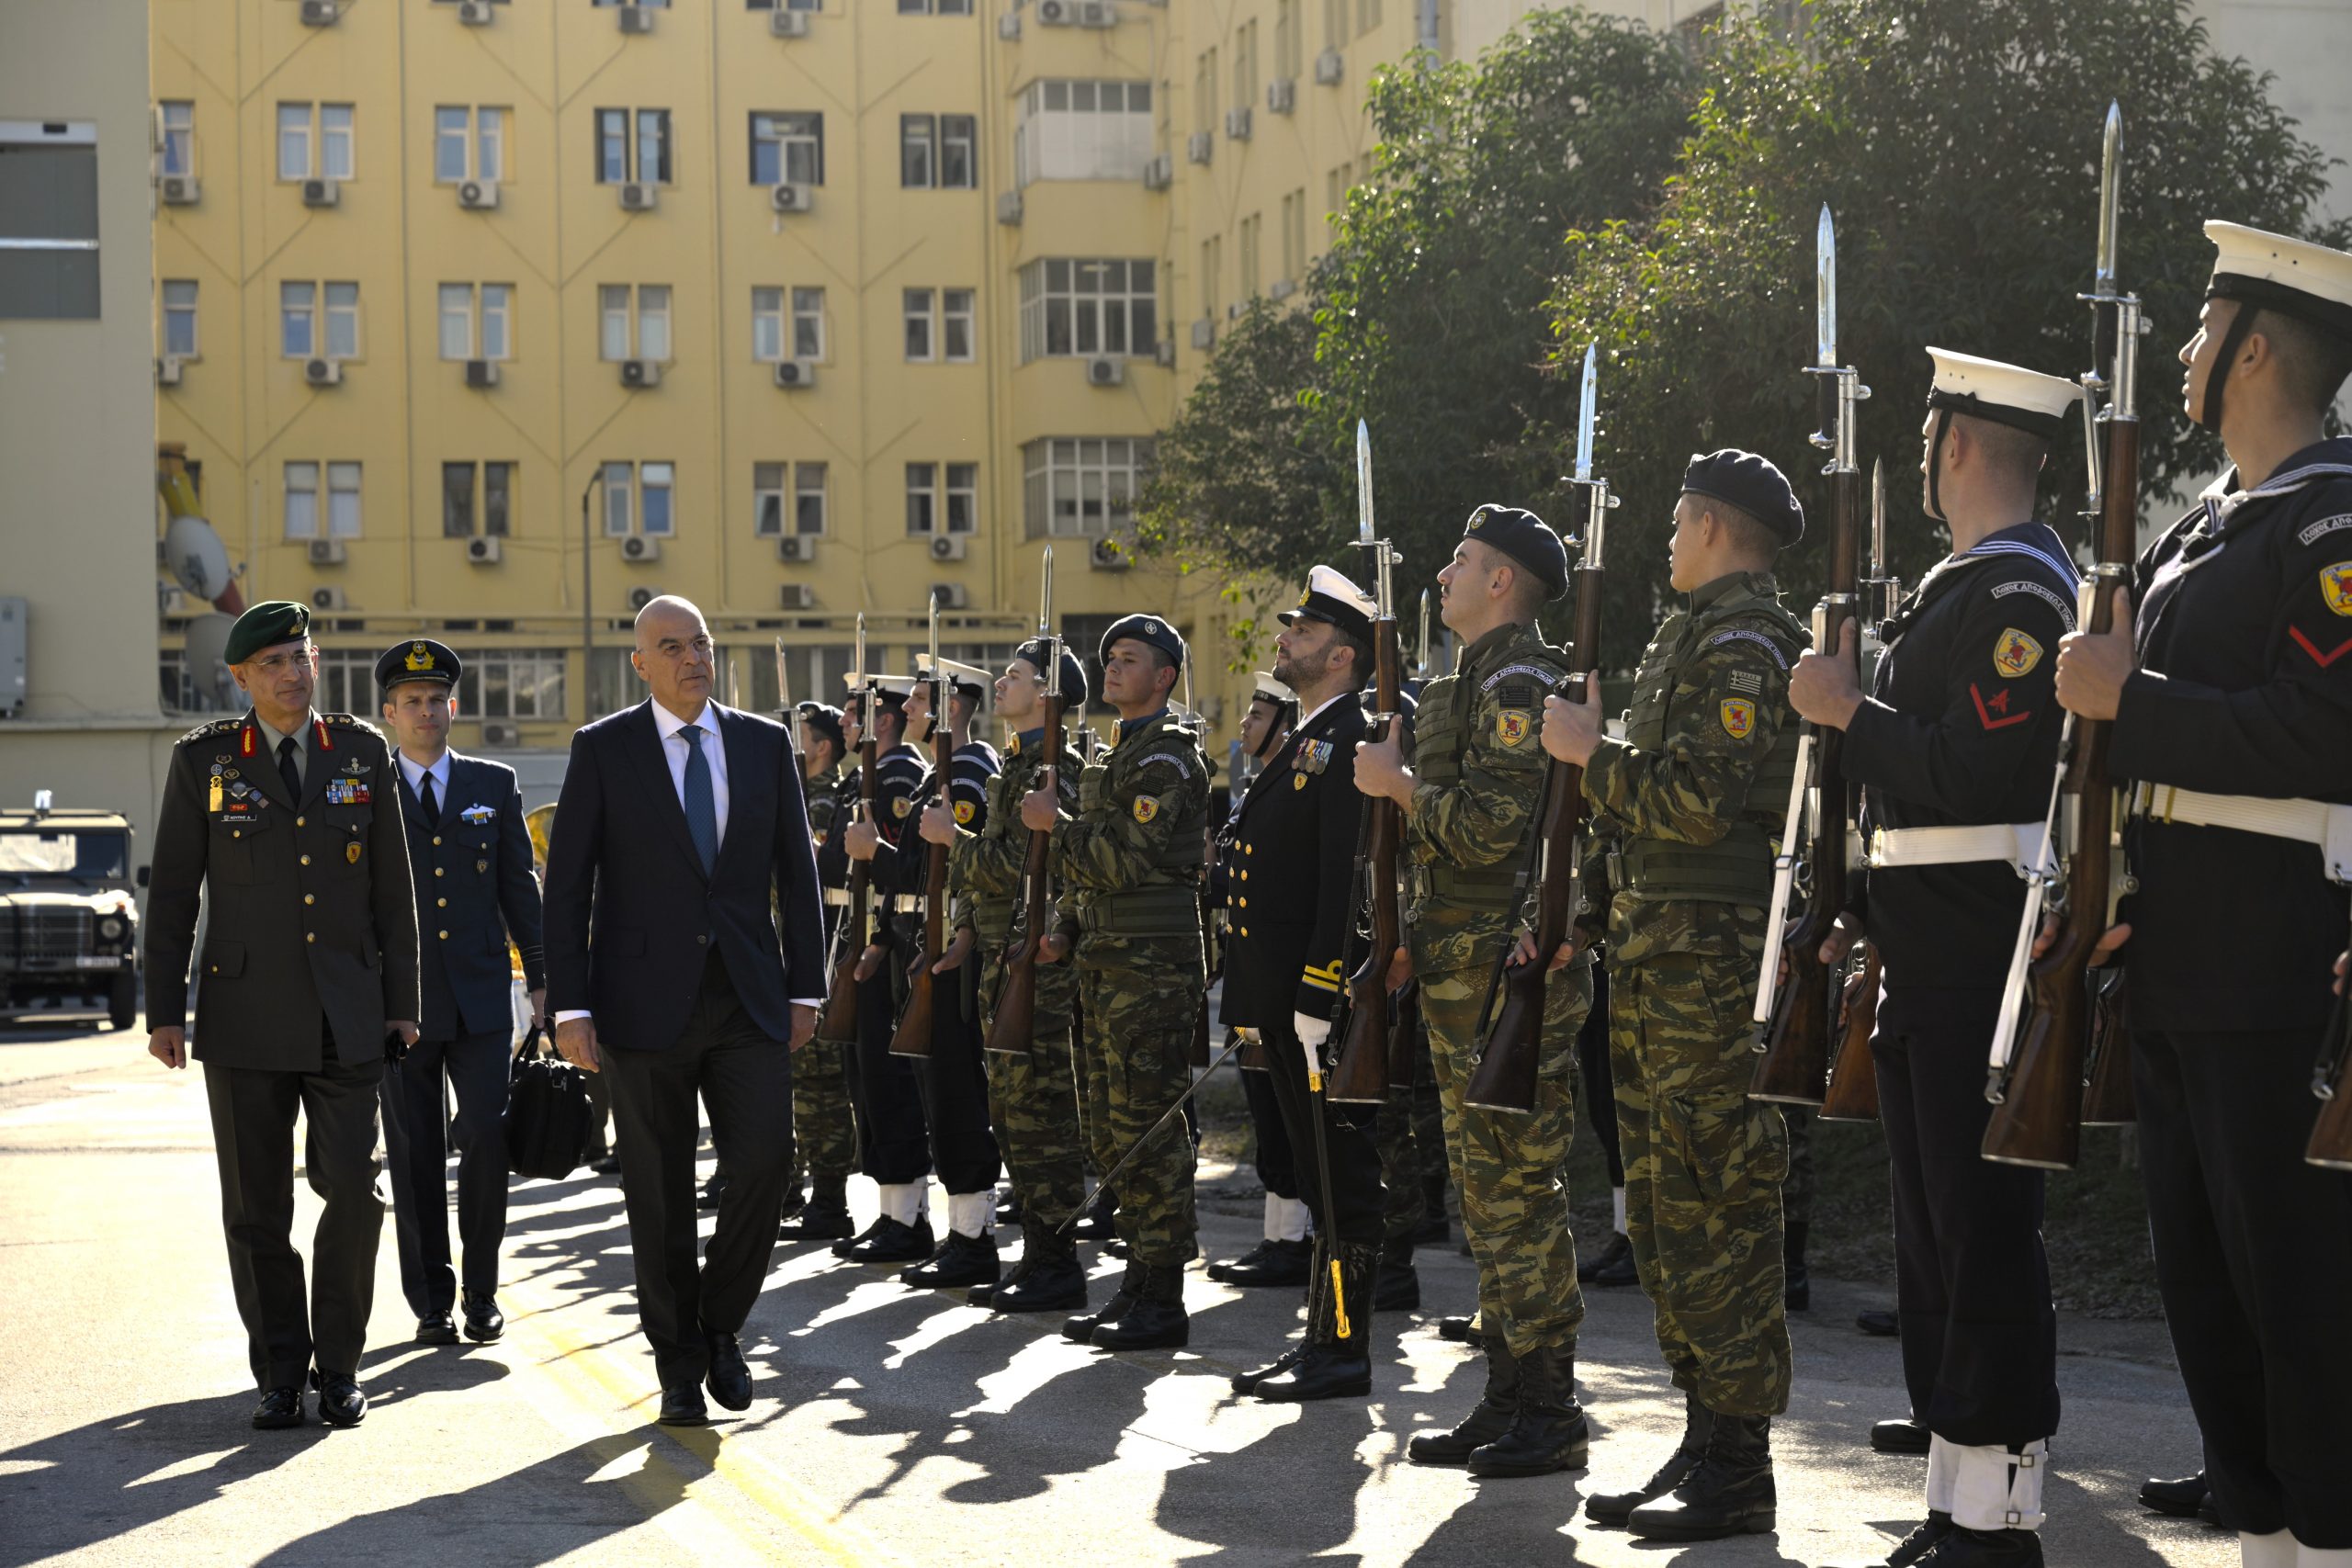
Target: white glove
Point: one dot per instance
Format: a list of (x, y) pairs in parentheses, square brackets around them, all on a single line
[(1312, 1031)]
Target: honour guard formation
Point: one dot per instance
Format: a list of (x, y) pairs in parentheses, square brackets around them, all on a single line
[(2058, 835)]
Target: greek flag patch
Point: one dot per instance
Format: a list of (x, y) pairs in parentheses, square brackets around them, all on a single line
[(1746, 681)]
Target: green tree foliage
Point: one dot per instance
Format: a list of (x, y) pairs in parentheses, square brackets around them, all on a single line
[(1957, 142)]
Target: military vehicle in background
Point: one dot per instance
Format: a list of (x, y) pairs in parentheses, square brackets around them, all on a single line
[(69, 920)]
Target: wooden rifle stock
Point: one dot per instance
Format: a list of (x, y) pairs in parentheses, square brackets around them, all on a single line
[(1362, 1074), (2108, 1101), (1853, 1082), (840, 1020), (912, 1037), (1012, 1030), (1510, 1066), (1405, 1037), (2331, 1145)]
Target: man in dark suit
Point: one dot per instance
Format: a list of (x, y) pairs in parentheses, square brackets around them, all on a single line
[(472, 857), (678, 821), (283, 821)]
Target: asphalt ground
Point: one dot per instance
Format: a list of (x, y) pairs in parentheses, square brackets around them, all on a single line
[(889, 1427)]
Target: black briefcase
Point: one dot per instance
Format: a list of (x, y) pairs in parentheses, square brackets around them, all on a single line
[(547, 1113)]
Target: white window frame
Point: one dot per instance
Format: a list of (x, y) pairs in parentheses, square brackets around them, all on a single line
[(341, 319), (177, 116), (300, 518), (787, 500), (798, 138), (528, 685), (768, 324), (628, 504), (918, 152), (345, 488), (811, 511), (179, 311), (771, 483), (958, 314), (634, 308), (1081, 487), (808, 334), (479, 137), (917, 310), (923, 499), (1086, 316), (298, 299), (294, 144), (635, 126), (1063, 132)]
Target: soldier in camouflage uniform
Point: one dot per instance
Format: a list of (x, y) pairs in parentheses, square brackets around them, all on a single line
[(1033, 1093), (1687, 805), (1470, 804), (824, 1136), (1132, 856)]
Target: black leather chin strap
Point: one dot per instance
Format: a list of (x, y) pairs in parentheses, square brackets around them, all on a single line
[(2209, 409), (1935, 465)]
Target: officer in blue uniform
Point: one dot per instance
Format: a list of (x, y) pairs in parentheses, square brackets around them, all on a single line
[(471, 855)]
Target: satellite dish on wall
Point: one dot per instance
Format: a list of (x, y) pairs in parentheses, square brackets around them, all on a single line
[(207, 640), (197, 560)]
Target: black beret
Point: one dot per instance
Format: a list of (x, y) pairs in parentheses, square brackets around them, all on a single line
[(422, 659), (825, 719), (1750, 483), (1525, 538), (1074, 694), (267, 624), (1151, 630)]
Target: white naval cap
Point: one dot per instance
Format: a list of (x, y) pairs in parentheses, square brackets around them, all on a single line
[(1330, 596), (957, 672), (1270, 690), (2310, 282), (2005, 394)]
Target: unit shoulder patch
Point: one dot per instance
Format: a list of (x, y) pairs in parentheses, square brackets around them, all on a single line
[(1511, 727), (1543, 675), (1147, 806), (965, 811), (2336, 587), (1741, 634), (1739, 716), (2058, 601), (2313, 533), (2015, 653)]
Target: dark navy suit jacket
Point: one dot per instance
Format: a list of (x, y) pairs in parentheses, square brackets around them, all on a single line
[(474, 891), (631, 918)]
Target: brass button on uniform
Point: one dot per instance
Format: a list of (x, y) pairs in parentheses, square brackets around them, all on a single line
[(236, 832), (444, 936), (436, 840), (309, 936), (701, 940), (1242, 903), (1245, 931), (309, 898), (298, 821), (436, 871), (1245, 877), (441, 903), (306, 860)]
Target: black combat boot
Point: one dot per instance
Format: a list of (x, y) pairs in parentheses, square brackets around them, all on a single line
[(1613, 1265), (824, 1217), (1268, 1263), (960, 1260), (1961, 1547), (1796, 1286), (1914, 1548), (1461, 1330), (1399, 1289), (1336, 1359), (1157, 1320), (1729, 1491), (1489, 1419), (1081, 1327), (1548, 1432), (1698, 1425), (1047, 1278), (892, 1241)]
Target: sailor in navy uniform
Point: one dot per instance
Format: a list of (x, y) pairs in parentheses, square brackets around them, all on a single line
[(1953, 749), (2231, 693)]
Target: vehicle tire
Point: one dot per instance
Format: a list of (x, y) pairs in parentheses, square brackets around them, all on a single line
[(122, 1000)]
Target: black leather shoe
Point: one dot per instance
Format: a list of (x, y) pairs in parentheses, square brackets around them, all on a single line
[(730, 1380), (1729, 1493), (1879, 1323), (1698, 1425), (437, 1328), (1268, 1263), (683, 1407), (1081, 1327), (841, 1245), (606, 1165), (1796, 1279), (1157, 1320), (1923, 1539), (1337, 1364), (278, 1407), (1902, 1435), (1489, 1419), (2181, 1498), (1046, 1279), (1115, 1247), (820, 1219), (1461, 1330), (340, 1402), (1325, 1372), (1613, 1265), (484, 1322), (891, 1242), (1961, 1547), (961, 1260), (1548, 1431), (708, 1197)]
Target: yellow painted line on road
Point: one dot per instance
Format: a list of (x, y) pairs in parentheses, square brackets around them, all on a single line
[(609, 1387)]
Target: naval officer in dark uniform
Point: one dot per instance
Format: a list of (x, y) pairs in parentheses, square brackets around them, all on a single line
[(283, 821), (475, 892)]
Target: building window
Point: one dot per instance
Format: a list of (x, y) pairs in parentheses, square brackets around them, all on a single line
[(512, 683), (497, 499), (655, 5), (918, 312), (633, 321), (301, 128), (1205, 92), (1212, 272), (179, 318), (1286, 40), (302, 514), (1088, 306), (469, 143), (768, 325), (1294, 235), (301, 334), (457, 500), (768, 497), (788, 149), (1248, 256), (49, 220), (934, 7), (959, 163), (944, 336), (178, 118), (917, 151), (476, 322), (1367, 15), (938, 152), (638, 499), (632, 144), (459, 508), (782, 4), (1335, 22), (809, 323), (346, 680), (1083, 130), (1245, 66), (958, 506), (1081, 488), (956, 321)]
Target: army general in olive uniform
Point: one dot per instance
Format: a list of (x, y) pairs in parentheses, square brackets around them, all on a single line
[(286, 823), (1687, 805), (1470, 823)]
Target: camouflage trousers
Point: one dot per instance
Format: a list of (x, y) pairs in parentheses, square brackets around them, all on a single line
[(824, 1132), (1704, 1168), (1509, 1168), (1796, 1190), (1138, 996), (1033, 1100)]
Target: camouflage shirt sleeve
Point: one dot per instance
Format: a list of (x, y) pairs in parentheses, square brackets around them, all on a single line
[(1131, 831), (1481, 819), (1728, 704)]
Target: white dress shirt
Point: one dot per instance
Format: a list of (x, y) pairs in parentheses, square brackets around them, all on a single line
[(416, 775)]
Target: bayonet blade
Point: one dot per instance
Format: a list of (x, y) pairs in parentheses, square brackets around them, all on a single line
[(1824, 315), (1584, 410), (1364, 533), (1423, 644), (1877, 517), (2110, 194), (783, 681), (857, 659), (1046, 598)]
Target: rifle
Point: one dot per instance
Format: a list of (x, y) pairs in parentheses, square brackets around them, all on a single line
[(1793, 1020), (1212, 953), (1404, 1036), (855, 931), (912, 1037), (1852, 1094), (2331, 1145), (1013, 1028), (1361, 1073), (2035, 1075)]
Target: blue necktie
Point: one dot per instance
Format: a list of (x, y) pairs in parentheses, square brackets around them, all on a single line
[(702, 806)]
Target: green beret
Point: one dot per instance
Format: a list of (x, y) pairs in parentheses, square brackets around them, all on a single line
[(266, 624)]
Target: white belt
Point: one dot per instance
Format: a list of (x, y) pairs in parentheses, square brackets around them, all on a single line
[(2314, 822), (2018, 843), (837, 897), (906, 904)]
